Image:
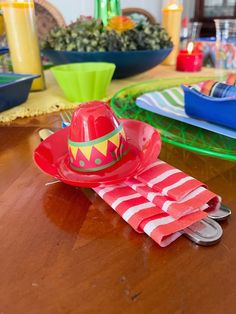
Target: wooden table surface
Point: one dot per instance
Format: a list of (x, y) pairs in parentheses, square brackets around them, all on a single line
[(63, 250)]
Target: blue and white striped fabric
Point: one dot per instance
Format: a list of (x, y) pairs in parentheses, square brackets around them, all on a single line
[(169, 100), (170, 103)]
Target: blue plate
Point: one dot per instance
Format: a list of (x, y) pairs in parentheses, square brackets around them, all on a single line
[(14, 89), (127, 63)]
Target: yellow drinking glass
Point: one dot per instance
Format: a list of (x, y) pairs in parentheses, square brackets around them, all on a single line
[(22, 37), (1, 25), (171, 21)]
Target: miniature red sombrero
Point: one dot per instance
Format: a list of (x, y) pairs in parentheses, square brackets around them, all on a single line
[(97, 148), (96, 139)]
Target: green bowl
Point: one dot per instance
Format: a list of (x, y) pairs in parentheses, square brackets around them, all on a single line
[(86, 81)]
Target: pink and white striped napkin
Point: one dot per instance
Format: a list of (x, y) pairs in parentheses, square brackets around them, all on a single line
[(161, 201)]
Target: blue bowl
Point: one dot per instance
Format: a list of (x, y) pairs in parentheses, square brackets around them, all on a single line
[(127, 63), (14, 89), (3, 51), (220, 111)]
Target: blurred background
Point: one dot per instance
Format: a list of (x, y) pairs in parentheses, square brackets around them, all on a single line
[(86, 7), (59, 12), (197, 19)]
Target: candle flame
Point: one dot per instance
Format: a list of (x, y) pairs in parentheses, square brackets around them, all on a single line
[(173, 6), (190, 48)]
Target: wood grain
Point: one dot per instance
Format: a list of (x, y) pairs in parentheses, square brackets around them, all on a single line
[(63, 250)]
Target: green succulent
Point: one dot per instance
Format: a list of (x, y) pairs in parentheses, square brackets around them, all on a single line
[(88, 35)]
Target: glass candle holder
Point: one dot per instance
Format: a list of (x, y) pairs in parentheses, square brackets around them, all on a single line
[(22, 37), (189, 60), (106, 9), (171, 21), (225, 44)]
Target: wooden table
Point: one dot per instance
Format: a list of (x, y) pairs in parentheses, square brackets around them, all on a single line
[(63, 250)]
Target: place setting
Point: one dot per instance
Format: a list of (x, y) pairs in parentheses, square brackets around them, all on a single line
[(118, 150), (118, 159), (114, 148)]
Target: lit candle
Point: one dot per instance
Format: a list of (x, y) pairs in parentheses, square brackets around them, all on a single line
[(171, 21), (189, 60)]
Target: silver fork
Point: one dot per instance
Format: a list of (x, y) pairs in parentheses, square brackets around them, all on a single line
[(66, 117)]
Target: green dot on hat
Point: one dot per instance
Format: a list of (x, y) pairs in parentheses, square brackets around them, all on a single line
[(98, 161), (82, 163)]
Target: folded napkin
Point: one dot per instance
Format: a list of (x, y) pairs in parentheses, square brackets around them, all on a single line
[(161, 201), (169, 100), (231, 79), (218, 89)]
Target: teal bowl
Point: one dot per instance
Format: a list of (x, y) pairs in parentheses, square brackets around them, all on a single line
[(127, 63), (14, 89)]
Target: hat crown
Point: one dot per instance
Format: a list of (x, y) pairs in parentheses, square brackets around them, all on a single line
[(96, 138), (91, 121)]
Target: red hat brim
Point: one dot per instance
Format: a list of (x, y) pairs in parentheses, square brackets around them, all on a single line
[(52, 157)]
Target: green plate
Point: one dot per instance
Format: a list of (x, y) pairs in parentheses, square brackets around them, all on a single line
[(172, 131)]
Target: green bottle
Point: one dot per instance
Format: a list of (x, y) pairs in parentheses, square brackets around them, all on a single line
[(106, 9)]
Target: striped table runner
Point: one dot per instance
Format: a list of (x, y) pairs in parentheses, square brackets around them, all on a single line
[(162, 201)]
